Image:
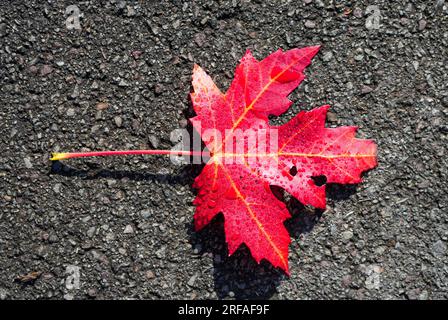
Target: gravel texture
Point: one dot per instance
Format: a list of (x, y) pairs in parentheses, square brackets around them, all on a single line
[(124, 225)]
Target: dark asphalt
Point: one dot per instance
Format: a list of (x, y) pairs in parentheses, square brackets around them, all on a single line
[(124, 225)]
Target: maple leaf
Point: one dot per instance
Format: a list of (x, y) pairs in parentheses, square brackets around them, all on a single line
[(242, 167), (240, 189)]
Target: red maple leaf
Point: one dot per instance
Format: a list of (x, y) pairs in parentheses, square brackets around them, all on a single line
[(248, 155), (239, 188)]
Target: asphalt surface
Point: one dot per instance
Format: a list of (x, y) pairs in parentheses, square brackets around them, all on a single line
[(121, 228)]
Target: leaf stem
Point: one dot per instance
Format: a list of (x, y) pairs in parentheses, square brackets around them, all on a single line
[(69, 155)]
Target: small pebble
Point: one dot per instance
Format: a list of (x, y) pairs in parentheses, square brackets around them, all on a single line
[(3, 294), (75, 92), (128, 229), (131, 11), (136, 54), (310, 24), (347, 235), (146, 213), (331, 117), (70, 112), (68, 296), (91, 232), (438, 248), (94, 85), (154, 141), (192, 280), (28, 163), (57, 187), (123, 83), (327, 56), (46, 70), (366, 89), (118, 121), (200, 39), (421, 25), (357, 12), (102, 106), (91, 293)]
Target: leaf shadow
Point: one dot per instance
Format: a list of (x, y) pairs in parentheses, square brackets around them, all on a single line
[(337, 192), (184, 177), (239, 275)]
